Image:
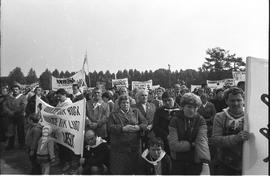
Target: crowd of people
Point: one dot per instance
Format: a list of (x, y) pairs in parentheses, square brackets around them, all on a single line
[(159, 132)]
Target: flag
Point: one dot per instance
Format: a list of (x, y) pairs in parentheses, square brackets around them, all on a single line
[(85, 63)]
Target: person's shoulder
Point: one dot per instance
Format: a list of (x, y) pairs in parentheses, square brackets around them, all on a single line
[(220, 116), (151, 105), (167, 158)]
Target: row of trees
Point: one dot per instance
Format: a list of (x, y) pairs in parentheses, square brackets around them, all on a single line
[(218, 65)]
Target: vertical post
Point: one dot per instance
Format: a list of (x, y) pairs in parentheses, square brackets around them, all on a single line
[(169, 75)]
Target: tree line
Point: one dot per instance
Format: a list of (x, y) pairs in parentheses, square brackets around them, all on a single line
[(218, 65)]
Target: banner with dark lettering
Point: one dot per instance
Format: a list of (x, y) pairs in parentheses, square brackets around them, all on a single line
[(256, 149), (67, 123), (120, 83), (238, 76), (66, 83), (142, 84), (218, 84)]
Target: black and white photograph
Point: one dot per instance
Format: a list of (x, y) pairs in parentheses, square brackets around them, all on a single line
[(134, 87)]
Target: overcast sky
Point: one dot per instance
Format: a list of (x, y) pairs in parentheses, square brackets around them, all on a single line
[(128, 34)]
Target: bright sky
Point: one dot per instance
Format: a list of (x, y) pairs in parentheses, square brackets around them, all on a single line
[(128, 34)]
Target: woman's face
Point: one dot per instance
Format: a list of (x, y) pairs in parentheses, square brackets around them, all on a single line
[(124, 105), (190, 110)]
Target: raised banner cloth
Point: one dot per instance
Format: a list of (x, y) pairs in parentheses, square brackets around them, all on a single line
[(67, 123), (142, 84), (66, 83), (255, 156), (120, 82)]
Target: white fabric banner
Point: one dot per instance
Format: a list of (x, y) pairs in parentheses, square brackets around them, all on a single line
[(120, 82), (67, 123), (66, 83), (238, 76), (154, 87), (192, 87), (256, 118), (142, 84), (218, 84)]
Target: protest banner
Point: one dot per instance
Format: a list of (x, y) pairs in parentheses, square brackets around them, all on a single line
[(154, 87), (238, 76), (214, 84), (255, 150), (66, 83), (120, 83), (142, 84), (67, 123), (218, 84), (227, 82), (192, 87)]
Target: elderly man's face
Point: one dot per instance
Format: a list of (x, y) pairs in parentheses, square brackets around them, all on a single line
[(16, 91), (90, 138), (97, 94), (143, 97), (123, 91)]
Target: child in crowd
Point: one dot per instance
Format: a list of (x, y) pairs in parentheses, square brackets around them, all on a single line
[(154, 160), (45, 150), (33, 135)]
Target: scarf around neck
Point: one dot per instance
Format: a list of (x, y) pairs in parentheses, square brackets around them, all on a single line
[(99, 141), (146, 152), (232, 118)]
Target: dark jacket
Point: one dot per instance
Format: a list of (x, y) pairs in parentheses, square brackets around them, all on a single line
[(219, 104), (183, 132), (162, 120), (149, 113), (96, 156)]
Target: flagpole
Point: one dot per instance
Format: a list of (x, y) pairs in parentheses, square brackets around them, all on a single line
[(88, 73)]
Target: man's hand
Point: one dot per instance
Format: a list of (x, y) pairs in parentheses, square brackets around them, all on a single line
[(82, 161), (149, 127), (131, 128), (205, 169), (243, 135)]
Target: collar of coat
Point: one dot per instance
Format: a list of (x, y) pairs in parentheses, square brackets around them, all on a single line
[(18, 96), (146, 152), (99, 141)]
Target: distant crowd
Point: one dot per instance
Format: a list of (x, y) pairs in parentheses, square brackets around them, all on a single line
[(146, 132)]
